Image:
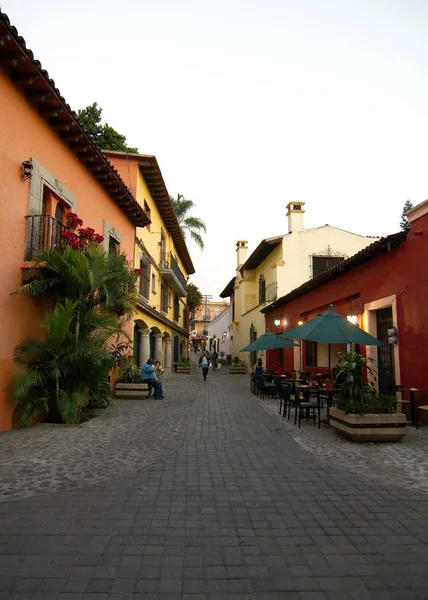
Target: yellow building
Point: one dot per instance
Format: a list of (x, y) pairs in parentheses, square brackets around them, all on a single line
[(161, 254), (278, 265)]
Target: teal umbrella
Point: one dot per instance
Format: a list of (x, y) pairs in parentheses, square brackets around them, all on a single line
[(268, 341), (331, 328)]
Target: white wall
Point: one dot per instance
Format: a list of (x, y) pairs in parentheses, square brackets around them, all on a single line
[(217, 328)]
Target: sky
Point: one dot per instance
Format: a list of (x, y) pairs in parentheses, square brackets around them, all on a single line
[(249, 105)]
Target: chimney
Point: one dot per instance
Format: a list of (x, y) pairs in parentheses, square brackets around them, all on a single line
[(241, 249), (295, 216)]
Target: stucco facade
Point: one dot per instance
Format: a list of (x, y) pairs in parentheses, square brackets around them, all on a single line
[(277, 266), (61, 177), (381, 288), (161, 321), (218, 334), (200, 320)]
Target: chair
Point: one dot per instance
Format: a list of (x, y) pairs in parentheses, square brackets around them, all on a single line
[(265, 387), (308, 403), (283, 392), (253, 384)]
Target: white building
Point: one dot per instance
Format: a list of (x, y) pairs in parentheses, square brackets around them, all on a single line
[(277, 266), (218, 334)]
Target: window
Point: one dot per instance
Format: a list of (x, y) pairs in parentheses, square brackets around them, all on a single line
[(144, 277), (176, 309), (262, 289), (163, 252), (164, 299), (153, 283), (185, 318), (147, 211), (113, 245), (311, 354), (323, 263)]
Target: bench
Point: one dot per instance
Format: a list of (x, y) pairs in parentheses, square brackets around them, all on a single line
[(424, 408), (133, 391)]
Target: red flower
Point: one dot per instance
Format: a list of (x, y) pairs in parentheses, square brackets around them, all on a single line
[(73, 220), (138, 272), (98, 238)]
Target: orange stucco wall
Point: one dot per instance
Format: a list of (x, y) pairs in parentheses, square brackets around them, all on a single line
[(24, 134)]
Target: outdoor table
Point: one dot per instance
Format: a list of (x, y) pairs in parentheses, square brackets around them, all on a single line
[(412, 402)]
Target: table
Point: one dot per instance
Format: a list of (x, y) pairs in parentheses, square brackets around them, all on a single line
[(412, 402)]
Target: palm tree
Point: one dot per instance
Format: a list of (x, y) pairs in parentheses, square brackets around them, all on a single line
[(86, 290), (193, 225)]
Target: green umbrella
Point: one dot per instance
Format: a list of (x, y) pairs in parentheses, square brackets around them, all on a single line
[(268, 341), (331, 328)]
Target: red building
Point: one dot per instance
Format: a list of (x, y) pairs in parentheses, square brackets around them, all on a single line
[(382, 287)]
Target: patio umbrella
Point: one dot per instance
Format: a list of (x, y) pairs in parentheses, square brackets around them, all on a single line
[(268, 341), (331, 328)]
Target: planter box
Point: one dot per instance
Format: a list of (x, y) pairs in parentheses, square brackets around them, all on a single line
[(133, 391), (369, 427), (184, 370), (237, 370)]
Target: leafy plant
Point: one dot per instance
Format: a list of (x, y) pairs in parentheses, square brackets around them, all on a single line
[(194, 297), (184, 363), (237, 362), (60, 375), (104, 135), (357, 395), (129, 373)]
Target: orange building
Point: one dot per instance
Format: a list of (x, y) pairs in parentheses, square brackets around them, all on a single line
[(199, 320), (48, 167)]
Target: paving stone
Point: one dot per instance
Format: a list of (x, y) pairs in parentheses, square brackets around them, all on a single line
[(206, 495)]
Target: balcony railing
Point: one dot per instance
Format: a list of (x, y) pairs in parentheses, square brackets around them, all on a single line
[(168, 262), (43, 233)]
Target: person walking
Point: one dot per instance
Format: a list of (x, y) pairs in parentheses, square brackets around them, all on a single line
[(204, 362), (214, 360), (148, 375)]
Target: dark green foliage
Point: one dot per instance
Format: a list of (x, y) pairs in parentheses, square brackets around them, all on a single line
[(129, 373), (404, 223), (194, 297), (69, 369), (357, 395), (104, 136), (191, 225)]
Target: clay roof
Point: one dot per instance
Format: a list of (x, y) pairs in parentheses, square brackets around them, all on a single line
[(376, 249), (228, 290), (260, 253), (39, 89), (153, 177)]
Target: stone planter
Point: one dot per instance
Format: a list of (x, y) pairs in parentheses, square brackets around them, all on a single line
[(133, 391), (184, 370), (370, 427), (237, 370)]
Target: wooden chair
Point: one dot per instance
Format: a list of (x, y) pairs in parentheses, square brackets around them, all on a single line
[(309, 404)]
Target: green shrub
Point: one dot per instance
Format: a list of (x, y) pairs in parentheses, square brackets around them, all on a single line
[(237, 362), (129, 373), (184, 363)]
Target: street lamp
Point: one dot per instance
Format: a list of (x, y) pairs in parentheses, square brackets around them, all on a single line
[(352, 318), (277, 321)]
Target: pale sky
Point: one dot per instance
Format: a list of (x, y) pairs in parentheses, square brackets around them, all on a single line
[(249, 105)]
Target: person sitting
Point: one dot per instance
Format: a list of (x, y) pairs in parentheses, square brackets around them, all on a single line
[(148, 376), (258, 367)]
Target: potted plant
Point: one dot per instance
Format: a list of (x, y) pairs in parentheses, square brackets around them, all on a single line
[(183, 366), (359, 412), (129, 385), (237, 366)]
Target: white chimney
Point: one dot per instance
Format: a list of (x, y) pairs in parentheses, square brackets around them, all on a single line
[(241, 250), (295, 216)]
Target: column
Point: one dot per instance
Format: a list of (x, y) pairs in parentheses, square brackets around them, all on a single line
[(157, 350), (168, 355), (144, 349)]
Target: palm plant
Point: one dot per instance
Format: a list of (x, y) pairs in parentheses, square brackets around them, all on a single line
[(191, 225), (85, 291)]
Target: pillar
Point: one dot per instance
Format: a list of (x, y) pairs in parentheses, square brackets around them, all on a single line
[(168, 355), (157, 350), (144, 349)]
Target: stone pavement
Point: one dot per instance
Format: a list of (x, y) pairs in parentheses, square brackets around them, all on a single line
[(237, 510)]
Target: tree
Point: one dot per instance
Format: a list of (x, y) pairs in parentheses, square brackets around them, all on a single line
[(192, 225), (104, 136), (404, 223), (194, 297), (85, 289)]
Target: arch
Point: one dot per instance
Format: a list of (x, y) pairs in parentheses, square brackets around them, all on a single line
[(141, 324), (165, 335), (155, 329)]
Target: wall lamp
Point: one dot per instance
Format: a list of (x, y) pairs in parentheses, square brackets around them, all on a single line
[(352, 318), (300, 323), (277, 321), (26, 170)]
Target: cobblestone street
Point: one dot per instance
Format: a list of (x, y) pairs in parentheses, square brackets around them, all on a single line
[(206, 495)]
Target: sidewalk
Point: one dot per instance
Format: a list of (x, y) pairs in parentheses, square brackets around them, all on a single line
[(233, 507)]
